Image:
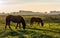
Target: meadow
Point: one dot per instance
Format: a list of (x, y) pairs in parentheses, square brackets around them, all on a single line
[(51, 28)]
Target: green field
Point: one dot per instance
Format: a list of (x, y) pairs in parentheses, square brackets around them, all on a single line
[(51, 29)]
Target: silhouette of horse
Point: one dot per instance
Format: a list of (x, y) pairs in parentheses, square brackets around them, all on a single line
[(16, 19), (38, 20)]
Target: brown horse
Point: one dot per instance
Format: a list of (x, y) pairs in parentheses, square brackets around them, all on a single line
[(34, 19), (16, 19)]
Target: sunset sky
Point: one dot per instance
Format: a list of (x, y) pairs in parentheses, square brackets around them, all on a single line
[(29, 5)]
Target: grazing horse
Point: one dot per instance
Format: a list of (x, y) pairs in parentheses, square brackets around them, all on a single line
[(38, 20), (16, 19)]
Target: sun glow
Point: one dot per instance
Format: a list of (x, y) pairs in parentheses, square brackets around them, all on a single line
[(1, 1)]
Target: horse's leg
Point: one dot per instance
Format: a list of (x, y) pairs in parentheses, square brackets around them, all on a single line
[(5, 26), (16, 25), (19, 25), (9, 26)]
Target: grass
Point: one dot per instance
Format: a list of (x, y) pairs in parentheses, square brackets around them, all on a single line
[(35, 31), (49, 30)]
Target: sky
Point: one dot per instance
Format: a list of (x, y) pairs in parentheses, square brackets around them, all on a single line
[(29, 5)]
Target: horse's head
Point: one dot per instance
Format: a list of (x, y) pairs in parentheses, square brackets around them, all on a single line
[(42, 24)]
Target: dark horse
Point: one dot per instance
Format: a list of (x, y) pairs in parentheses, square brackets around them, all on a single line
[(16, 19), (34, 19)]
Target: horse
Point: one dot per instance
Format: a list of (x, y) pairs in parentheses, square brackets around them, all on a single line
[(35, 19), (16, 19)]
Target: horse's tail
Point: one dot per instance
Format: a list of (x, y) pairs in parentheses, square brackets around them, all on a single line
[(7, 22), (23, 23)]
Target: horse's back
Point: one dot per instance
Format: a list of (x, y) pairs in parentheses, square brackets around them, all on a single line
[(35, 18), (14, 18)]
